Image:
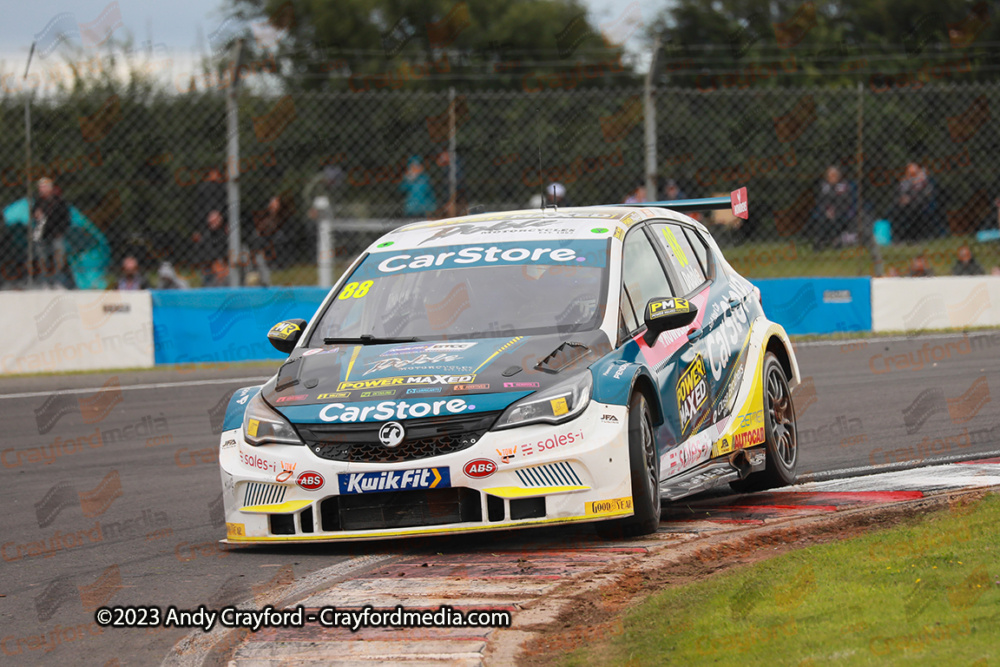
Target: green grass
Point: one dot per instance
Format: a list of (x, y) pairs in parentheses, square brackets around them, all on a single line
[(927, 594)]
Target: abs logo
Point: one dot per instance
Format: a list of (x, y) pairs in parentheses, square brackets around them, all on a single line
[(310, 481), (391, 434), (479, 468)]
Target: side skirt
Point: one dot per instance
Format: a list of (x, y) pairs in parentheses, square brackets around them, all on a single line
[(709, 474)]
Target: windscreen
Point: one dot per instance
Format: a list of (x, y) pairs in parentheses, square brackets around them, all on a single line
[(472, 291)]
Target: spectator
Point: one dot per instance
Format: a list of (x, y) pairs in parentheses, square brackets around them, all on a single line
[(461, 204), (167, 278), (672, 191), (268, 235), (913, 212), (52, 221), (211, 248), (555, 195), (131, 278), (416, 184), (966, 264), (637, 196), (211, 195), (834, 210), (919, 267)]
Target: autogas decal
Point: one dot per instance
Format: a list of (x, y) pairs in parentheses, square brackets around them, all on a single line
[(692, 391), (669, 342), (398, 410), (569, 252), (237, 406), (394, 480)]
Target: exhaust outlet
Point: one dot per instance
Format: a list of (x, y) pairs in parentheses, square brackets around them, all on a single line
[(741, 462)]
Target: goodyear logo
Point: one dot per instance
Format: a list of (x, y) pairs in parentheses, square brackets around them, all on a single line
[(692, 391), (418, 380), (394, 480), (613, 506)]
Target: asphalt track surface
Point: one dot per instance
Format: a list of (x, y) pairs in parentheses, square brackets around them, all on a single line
[(129, 516)]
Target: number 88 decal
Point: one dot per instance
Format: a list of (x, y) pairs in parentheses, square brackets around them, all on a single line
[(355, 290)]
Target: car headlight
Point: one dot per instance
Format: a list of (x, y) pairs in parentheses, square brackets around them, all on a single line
[(554, 405), (261, 424)]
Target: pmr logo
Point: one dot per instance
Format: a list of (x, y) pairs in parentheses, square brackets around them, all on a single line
[(391, 434)]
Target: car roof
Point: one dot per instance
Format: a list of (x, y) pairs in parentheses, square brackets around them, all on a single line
[(581, 222)]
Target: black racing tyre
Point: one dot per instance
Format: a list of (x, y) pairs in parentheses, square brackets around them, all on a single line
[(644, 468), (781, 438)]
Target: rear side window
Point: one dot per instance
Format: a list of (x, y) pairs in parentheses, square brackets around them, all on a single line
[(700, 250), (642, 274), (683, 258)]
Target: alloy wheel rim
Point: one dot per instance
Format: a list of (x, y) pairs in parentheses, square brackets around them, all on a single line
[(781, 413), (649, 453)]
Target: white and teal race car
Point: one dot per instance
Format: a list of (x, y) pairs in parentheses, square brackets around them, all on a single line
[(515, 369)]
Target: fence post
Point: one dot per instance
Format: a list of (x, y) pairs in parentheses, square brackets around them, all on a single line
[(452, 167), (864, 235), (649, 115), (27, 172), (233, 170), (324, 242)]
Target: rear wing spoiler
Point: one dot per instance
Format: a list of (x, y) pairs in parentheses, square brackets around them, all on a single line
[(736, 201)]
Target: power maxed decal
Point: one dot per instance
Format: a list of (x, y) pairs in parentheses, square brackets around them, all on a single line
[(394, 480), (692, 391)]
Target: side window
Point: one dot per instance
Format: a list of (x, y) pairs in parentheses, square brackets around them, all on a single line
[(700, 250), (642, 273), (682, 256), (628, 313)]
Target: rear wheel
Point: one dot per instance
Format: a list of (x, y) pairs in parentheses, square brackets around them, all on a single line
[(644, 470), (780, 433)]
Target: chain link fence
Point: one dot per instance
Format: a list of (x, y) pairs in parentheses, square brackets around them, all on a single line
[(847, 181)]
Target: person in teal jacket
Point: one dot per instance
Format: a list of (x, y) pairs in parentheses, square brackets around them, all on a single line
[(420, 201)]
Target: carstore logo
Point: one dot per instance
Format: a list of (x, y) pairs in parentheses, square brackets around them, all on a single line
[(92, 503)]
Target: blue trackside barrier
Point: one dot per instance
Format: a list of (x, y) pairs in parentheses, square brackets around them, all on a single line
[(225, 324), (230, 325), (818, 305)]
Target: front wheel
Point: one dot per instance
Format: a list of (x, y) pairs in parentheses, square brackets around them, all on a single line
[(644, 470), (780, 433)]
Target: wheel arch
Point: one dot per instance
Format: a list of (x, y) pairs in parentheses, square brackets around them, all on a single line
[(641, 382), (779, 345)]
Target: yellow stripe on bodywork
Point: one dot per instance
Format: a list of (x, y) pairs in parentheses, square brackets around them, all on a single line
[(520, 492), (425, 531), (492, 356), (281, 508), (354, 357)]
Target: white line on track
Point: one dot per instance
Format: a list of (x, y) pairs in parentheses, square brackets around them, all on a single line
[(826, 475), (893, 338), (131, 387)]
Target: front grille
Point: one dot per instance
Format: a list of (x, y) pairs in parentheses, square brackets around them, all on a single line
[(432, 436), (401, 509), (256, 493)]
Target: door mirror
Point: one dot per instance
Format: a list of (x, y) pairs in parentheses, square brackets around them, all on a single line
[(284, 335), (665, 314)]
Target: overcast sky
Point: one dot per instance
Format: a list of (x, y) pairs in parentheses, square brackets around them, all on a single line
[(172, 26)]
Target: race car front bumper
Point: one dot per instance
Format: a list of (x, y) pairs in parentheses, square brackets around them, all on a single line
[(526, 476)]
